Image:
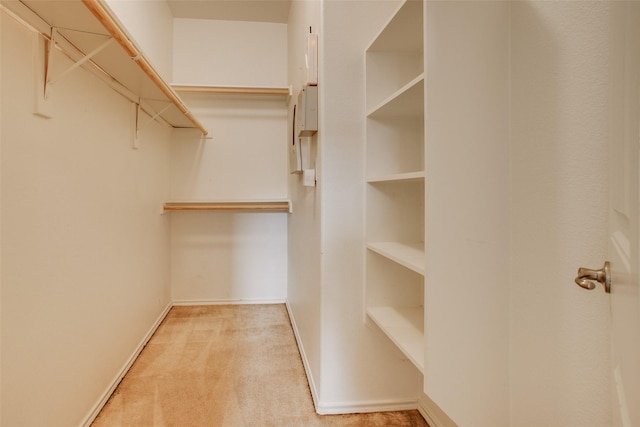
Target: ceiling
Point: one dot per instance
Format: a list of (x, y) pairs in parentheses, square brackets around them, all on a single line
[(232, 10)]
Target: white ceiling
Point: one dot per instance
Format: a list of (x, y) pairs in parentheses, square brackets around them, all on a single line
[(232, 10)]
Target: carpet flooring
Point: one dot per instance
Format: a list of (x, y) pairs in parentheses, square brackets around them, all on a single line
[(226, 366)]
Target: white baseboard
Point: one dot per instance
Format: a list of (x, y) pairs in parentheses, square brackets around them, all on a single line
[(432, 413), (229, 301), (365, 406), (303, 356), (332, 408), (93, 413)]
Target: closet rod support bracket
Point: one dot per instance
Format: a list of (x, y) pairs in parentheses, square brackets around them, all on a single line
[(138, 126), (49, 62)]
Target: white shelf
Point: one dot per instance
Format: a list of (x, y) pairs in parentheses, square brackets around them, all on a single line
[(85, 25), (403, 326), (408, 101), (395, 57), (403, 32), (408, 255), (398, 177), (395, 178)]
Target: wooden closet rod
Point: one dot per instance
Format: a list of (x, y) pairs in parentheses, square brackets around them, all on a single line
[(232, 89), (273, 206), (102, 14)]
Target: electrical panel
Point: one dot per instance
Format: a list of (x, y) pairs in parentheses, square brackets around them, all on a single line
[(307, 112)]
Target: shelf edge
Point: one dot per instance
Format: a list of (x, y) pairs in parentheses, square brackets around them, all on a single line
[(398, 177)]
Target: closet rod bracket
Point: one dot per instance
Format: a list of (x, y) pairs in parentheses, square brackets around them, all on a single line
[(49, 80), (138, 126)]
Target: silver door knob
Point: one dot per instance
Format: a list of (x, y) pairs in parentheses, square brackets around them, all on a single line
[(586, 276)]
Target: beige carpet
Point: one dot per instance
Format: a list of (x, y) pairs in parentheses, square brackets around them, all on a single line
[(231, 366)]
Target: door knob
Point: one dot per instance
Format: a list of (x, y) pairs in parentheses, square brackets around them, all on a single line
[(586, 276)]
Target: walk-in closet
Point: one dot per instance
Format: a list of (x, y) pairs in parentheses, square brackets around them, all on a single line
[(409, 185)]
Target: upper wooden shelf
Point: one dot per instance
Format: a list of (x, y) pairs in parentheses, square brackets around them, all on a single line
[(251, 206), (236, 90), (85, 24)]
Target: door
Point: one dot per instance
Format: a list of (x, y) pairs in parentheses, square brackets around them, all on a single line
[(624, 214)]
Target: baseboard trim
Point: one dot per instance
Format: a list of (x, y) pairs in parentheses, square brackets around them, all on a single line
[(229, 301), (333, 408), (432, 413), (303, 356), (365, 406), (93, 413)]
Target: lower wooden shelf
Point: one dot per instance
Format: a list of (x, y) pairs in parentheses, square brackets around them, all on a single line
[(404, 326), (250, 206)]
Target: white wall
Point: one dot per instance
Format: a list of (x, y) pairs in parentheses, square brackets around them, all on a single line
[(560, 83), (360, 367), (85, 253), (230, 256), (304, 277), (344, 358), (230, 53), (467, 211), (150, 24)]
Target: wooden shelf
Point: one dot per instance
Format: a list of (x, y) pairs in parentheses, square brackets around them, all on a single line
[(237, 90), (248, 206), (408, 255), (404, 326), (398, 177), (85, 24)]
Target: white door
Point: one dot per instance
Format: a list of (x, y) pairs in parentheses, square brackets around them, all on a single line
[(624, 213)]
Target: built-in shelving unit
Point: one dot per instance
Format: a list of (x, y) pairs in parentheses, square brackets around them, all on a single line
[(395, 256), (247, 206), (81, 26)]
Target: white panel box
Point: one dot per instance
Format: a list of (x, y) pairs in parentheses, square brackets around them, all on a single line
[(307, 112)]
